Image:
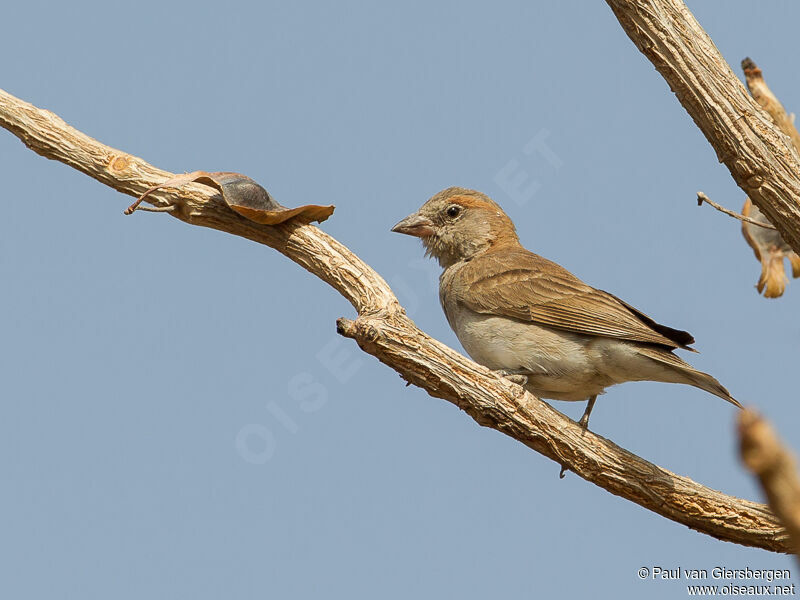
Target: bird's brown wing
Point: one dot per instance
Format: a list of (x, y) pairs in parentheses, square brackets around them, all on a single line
[(522, 285)]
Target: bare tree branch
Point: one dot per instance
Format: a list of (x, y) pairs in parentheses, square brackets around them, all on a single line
[(760, 157), (383, 330), (775, 467)]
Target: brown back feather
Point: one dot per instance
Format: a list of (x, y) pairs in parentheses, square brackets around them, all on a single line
[(516, 283)]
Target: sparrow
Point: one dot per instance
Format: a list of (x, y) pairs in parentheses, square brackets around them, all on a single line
[(769, 248), (531, 320)]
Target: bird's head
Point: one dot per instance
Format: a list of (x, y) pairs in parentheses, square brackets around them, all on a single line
[(457, 224)]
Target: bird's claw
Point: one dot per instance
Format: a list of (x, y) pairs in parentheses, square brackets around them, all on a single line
[(513, 377)]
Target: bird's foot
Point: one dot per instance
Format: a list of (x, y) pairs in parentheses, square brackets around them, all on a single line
[(513, 377)]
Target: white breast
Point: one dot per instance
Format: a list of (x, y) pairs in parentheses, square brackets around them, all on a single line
[(503, 343)]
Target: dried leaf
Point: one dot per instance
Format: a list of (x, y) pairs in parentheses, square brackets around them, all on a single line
[(246, 197), (770, 249)]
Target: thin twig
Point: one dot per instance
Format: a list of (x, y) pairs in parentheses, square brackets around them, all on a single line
[(701, 197)]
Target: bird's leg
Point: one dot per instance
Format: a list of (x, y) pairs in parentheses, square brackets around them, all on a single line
[(584, 422), (517, 378)]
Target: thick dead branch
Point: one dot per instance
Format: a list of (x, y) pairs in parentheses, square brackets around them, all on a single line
[(383, 330), (761, 159), (775, 467)]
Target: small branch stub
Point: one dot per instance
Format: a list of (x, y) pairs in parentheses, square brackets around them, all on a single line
[(346, 327)]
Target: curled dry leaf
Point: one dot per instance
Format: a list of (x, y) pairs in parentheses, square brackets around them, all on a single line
[(770, 249), (244, 196)]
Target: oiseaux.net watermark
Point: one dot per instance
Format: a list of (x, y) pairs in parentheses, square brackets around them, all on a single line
[(724, 581)]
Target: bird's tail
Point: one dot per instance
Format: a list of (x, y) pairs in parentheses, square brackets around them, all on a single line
[(685, 373)]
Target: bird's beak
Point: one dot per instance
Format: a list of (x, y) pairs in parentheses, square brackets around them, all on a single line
[(415, 225)]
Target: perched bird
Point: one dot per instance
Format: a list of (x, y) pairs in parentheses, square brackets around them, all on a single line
[(770, 249), (532, 320)]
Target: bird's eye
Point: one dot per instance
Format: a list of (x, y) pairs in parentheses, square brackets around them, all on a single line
[(453, 211)]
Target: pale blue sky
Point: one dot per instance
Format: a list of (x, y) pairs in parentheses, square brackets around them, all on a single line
[(137, 350)]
